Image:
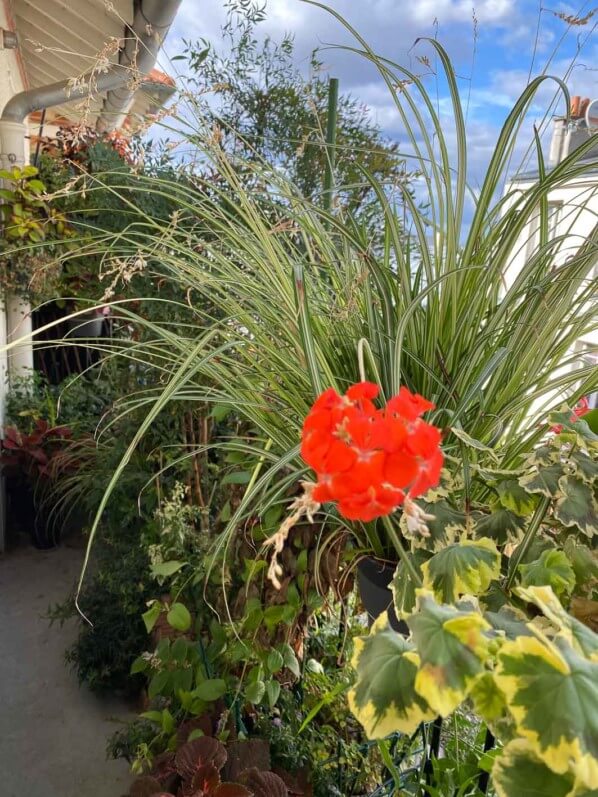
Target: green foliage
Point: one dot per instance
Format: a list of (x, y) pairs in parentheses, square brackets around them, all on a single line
[(113, 600), (268, 111), (33, 233)]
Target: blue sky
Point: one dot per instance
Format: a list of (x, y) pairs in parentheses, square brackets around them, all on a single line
[(513, 39)]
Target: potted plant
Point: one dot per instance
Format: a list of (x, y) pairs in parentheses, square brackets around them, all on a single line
[(29, 457)]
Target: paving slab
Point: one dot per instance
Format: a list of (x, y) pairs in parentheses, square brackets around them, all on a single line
[(53, 732)]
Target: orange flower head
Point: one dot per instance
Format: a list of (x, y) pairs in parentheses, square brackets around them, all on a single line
[(369, 459)]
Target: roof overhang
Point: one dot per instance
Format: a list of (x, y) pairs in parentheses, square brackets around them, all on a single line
[(67, 39)]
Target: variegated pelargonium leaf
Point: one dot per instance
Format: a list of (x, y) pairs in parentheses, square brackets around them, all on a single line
[(518, 772), (501, 525), (514, 497), (488, 700), (577, 505), (384, 699), (584, 562), (453, 645), (552, 693), (544, 455), (543, 480), (448, 524), (552, 569), (585, 467), (464, 568), (402, 586), (582, 638)]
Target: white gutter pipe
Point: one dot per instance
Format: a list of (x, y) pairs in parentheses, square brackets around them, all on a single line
[(151, 22)]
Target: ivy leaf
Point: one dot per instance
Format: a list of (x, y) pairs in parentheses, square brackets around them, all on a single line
[(512, 496), (466, 567), (178, 617), (577, 506), (544, 480), (501, 525), (552, 694), (517, 771), (552, 569), (452, 647), (384, 699)]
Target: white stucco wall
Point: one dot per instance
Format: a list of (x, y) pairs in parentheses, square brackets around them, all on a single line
[(576, 206), (576, 218)]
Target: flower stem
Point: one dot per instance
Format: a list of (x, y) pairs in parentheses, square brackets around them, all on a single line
[(403, 555), (527, 540)]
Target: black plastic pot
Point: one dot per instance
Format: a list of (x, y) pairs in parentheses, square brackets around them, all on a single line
[(373, 579)]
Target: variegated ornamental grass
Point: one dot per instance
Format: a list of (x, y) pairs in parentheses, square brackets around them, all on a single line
[(285, 292)]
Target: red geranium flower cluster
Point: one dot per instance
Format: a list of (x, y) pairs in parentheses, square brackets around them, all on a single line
[(367, 459)]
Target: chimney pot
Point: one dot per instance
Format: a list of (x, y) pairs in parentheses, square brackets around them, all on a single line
[(574, 112)]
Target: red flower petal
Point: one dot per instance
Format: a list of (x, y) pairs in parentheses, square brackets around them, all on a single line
[(339, 457), (409, 405), (429, 475), (424, 440), (400, 469), (362, 390)]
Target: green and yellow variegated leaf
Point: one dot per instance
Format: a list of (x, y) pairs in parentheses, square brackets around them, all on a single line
[(552, 693), (452, 645), (384, 699), (577, 505), (518, 772), (512, 496), (488, 700), (501, 525), (543, 480), (402, 586), (449, 524), (584, 563), (464, 568), (585, 467), (552, 569), (511, 622), (543, 455), (582, 638)]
